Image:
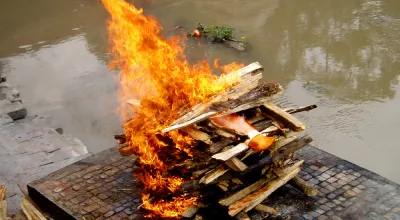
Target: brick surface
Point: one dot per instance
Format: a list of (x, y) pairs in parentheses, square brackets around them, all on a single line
[(346, 191)]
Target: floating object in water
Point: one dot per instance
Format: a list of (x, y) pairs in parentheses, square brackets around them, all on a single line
[(196, 33)]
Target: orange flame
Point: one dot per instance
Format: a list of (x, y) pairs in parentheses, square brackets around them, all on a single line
[(155, 70)]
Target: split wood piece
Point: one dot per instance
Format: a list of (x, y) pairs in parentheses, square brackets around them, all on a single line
[(217, 146), (221, 131), (225, 134), (3, 203), (199, 173), (30, 206), (266, 122), (306, 188), (226, 155), (290, 148), (255, 119), (198, 217), (270, 187), (246, 191), (190, 212), (242, 193), (243, 198), (199, 112), (235, 164), (242, 216), (282, 142), (134, 102), (252, 98), (283, 172), (255, 198), (197, 134), (266, 209), (213, 174), (278, 114), (30, 210)]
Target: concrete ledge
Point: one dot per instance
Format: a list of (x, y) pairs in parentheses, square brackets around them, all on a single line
[(30, 152)]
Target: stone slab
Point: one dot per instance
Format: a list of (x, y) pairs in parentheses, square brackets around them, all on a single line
[(102, 187), (30, 152)]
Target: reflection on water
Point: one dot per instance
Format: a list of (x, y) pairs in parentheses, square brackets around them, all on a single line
[(342, 55)]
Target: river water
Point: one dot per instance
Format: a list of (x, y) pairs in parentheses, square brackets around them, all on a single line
[(343, 55)]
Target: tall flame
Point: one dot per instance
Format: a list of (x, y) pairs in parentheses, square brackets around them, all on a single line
[(155, 70)]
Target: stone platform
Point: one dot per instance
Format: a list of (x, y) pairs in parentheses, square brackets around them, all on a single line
[(102, 187)]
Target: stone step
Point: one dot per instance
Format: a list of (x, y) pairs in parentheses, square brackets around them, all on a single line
[(14, 110)]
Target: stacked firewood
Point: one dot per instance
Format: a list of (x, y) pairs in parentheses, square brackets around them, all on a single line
[(235, 168)]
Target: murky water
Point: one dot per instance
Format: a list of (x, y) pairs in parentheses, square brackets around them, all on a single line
[(342, 55)]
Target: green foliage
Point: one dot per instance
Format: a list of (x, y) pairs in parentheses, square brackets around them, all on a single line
[(217, 33)]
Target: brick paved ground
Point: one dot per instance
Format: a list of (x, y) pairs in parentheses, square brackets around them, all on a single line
[(102, 187)]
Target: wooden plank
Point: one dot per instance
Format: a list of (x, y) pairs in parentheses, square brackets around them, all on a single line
[(213, 174), (235, 164), (278, 114), (197, 134), (226, 155)]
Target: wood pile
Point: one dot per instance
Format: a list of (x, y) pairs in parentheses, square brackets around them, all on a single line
[(227, 168)]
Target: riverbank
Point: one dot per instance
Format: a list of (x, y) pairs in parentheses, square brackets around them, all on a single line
[(29, 151)]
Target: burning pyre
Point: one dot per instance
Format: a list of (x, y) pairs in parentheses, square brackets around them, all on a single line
[(198, 136), (155, 70)]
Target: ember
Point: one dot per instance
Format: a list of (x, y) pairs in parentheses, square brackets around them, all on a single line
[(196, 134)]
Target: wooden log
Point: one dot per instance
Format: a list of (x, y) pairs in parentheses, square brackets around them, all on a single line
[(255, 198), (3, 203), (226, 155), (30, 210), (242, 216), (190, 212), (266, 209), (290, 148), (235, 164), (213, 174), (197, 134), (305, 187), (278, 114)]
